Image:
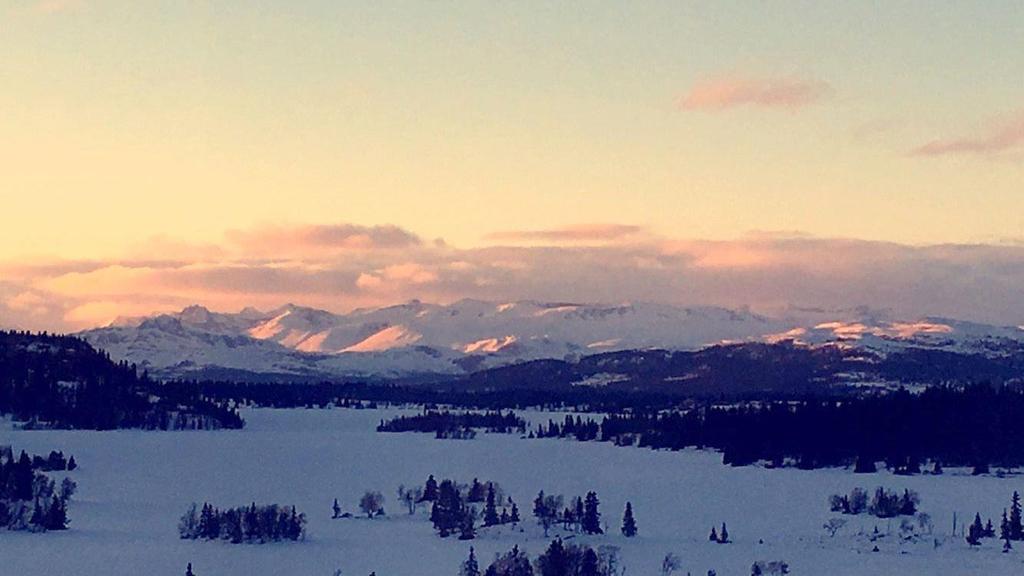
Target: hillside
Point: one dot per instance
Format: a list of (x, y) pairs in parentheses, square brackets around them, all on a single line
[(63, 382)]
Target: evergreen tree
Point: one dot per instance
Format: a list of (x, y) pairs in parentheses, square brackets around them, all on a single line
[(590, 564), (1016, 528), (580, 513), (539, 508), (470, 566), (554, 561), (723, 536), (477, 492), (429, 490), (447, 512), (491, 517), (57, 517), (1004, 527), (591, 522), (515, 514), (714, 535), (188, 570), (72, 464), (467, 529), (337, 509), (628, 523), (976, 531)]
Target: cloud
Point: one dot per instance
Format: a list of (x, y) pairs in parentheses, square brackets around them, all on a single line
[(276, 241), (715, 94), (1003, 137), (571, 234), (767, 271)]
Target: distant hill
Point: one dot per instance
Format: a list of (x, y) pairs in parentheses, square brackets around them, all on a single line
[(294, 343), (754, 369), (63, 382)]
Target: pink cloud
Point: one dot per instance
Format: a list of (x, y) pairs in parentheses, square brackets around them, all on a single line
[(1001, 138), (570, 234), (273, 241), (731, 92), (765, 271)]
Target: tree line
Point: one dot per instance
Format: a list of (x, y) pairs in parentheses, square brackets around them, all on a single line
[(244, 524), (559, 559), (445, 424), (977, 426), (883, 504)]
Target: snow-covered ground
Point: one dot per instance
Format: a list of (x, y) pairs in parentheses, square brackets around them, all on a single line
[(133, 487)]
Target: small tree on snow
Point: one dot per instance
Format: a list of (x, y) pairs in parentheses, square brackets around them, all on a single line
[(470, 567), (411, 497), (834, 525), (372, 503), (669, 564)]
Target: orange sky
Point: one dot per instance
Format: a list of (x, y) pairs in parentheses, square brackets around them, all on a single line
[(200, 138)]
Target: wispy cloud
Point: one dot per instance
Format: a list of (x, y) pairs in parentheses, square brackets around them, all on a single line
[(1004, 136), (570, 234), (723, 93), (278, 241)]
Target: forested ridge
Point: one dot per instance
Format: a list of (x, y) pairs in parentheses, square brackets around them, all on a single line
[(63, 382)]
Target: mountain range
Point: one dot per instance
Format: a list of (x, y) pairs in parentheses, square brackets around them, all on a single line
[(416, 338)]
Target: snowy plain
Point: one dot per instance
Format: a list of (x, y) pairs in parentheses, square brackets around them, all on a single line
[(133, 487)]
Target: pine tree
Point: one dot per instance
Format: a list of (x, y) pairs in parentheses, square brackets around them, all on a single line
[(723, 536), (491, 517), (714, 535), (72, 464), (447, 512), (467, 530), (1004, 527), (976, 531), (429, 490), (539, 507), (555, 560), (188, 570), (628, 523), (470, 566), (580, 513), (589, 564), (337, 509), (57, 517), (1016, 528), (515, 513), (591, 516), (477, 492)]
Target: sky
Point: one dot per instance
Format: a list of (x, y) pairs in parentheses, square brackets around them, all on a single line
[(339, 154)]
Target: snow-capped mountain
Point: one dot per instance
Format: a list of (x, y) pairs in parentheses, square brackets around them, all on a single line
[(420, 338)]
